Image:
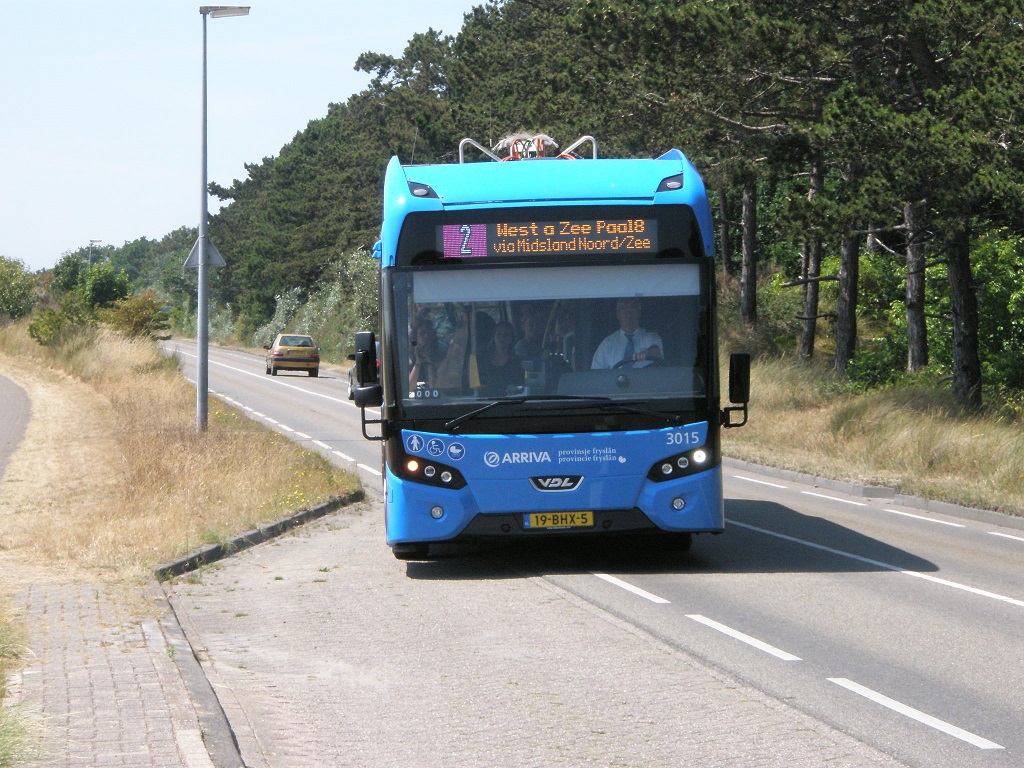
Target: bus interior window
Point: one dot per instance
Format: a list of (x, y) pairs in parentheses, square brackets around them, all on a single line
[(483, 331), (564, 334), (530, 328)]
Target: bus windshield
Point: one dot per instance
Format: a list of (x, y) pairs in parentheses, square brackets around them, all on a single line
[(470, 333)]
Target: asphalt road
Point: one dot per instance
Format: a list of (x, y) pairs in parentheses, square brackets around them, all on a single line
[(315, 412), (902, 628), (15, 409)]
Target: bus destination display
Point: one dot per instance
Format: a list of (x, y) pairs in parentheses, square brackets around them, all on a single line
[(597, 236)]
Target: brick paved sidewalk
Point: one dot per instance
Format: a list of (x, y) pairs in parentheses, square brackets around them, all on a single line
[(103, 687)]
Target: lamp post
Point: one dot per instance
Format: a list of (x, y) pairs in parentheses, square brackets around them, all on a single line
[(204, 254), (91, 244)]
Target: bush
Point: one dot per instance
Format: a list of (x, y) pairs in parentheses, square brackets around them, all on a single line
[(287, 306), (67, 274), (345, 301), (778, 310), (142, 315), (52, 327), (881, 362), (104, 286), (16, 289), (223, 326)]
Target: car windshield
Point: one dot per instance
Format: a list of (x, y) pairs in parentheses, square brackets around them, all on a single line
[(609, 331)]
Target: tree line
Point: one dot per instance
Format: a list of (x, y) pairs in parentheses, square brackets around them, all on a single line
[(865, 158)]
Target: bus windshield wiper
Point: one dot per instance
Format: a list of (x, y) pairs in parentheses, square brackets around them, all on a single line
[(605, 404), (633, 406), (453, 425), (572, 401)]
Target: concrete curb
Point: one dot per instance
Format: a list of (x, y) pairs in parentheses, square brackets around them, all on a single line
[(219, 739), (249, 539), (988, 516)]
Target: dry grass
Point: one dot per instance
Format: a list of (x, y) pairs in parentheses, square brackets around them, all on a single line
[(910, 439), (112, 478), (16, 728)]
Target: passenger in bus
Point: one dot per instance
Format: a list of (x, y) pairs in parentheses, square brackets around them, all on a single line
[(565, 336), (500, 367), (630, 342), (531, 342), (427, 355)]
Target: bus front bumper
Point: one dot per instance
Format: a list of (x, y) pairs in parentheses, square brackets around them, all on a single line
[(429, 514)]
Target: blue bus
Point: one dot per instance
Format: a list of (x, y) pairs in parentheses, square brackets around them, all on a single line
[(547, 362)]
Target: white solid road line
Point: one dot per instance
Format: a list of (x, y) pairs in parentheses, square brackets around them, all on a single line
[(302, 435), (834, 498), (1006, 536), (737, 635), (860, 504), (759, 482), (886, 566), (278, 382), (630, 588), (926, 519), (915, 714)]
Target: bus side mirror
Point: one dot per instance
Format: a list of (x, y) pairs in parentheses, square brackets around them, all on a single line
[(368, 393), (739, 377), (739, 389), (366, 358)]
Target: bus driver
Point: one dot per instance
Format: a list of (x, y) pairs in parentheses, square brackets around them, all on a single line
[(630, 342)]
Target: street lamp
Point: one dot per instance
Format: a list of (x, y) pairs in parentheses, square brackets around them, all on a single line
[(204, 254), (91, 244)]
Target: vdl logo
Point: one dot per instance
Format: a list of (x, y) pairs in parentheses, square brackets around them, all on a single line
[(557, 482)]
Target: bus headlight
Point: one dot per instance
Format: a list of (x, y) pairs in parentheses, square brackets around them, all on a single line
[(688, 463), (424, 470)]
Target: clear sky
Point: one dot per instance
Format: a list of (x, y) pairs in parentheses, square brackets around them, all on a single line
[(100, 104)]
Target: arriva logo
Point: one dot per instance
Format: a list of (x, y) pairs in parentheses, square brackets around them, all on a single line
[(557, 482), (493, 458)]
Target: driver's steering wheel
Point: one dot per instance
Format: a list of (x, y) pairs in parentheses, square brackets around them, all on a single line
[(653, 361)]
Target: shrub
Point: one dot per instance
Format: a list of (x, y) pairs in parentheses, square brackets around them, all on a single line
[(52, 327), (16, 289), (141, 315), (287, 306), (104, 286)]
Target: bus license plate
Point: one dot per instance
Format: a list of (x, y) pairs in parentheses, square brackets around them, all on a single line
[(559, 520)]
